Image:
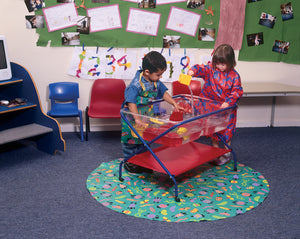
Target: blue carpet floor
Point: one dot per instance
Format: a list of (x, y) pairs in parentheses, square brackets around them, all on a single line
[(45, 196)]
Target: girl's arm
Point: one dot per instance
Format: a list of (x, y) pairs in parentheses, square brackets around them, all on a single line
[(236, 91), (197, 71)]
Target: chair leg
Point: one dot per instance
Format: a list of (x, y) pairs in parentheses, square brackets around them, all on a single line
[(87, 123), (81, 126)]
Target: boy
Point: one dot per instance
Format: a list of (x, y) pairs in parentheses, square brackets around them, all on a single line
[(144, 88)]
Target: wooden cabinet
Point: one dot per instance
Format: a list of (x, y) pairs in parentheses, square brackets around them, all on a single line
[(27, 121)]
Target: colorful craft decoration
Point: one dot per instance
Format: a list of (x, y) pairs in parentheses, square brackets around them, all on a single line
[(82, 5), (82, 57), (209, 12), (188, 60), (94, 63)]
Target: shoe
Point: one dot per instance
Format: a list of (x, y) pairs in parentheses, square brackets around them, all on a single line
[(221, 160), (133, 168)]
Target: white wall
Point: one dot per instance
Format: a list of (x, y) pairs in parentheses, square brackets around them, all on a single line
[(50, 64)]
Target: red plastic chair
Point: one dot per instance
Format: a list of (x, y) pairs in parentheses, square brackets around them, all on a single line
[(178, 88), (107, 97)]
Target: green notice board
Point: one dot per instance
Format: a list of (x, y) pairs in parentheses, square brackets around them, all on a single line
[(283, 30), (122, 38)]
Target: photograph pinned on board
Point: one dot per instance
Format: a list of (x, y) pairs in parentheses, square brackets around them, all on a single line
[(287, 12), (255, 39), (147, 3), (171, 42), (33, 5), (100, 1), (83, 24), (70, 38), (65, 1), (207, 34), (281, 46), (34, 21), (196, 4), (267, 20)]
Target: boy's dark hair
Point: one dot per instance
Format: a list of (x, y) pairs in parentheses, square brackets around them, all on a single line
[(224, 54), (154, 61)]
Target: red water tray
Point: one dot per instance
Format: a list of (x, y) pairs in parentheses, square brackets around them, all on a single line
[(178, 159)]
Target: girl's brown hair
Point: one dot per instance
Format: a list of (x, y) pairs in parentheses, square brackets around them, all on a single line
[(224, 54)]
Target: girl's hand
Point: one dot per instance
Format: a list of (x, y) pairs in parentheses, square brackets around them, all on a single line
[(224, 105), (191, 73)]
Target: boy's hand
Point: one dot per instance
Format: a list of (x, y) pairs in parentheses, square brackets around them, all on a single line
[(178, 107), (140, 124)]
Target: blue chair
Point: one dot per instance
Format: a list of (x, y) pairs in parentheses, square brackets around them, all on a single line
[(64, 101)]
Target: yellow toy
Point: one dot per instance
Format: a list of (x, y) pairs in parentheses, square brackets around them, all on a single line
[(139, 130), (156, 121), (181, 130), (185, 79)]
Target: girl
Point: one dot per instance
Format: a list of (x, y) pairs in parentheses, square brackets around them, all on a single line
[(222, 83)]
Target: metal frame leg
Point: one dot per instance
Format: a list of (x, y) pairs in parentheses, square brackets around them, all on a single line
[(273, 111), (87, 123)]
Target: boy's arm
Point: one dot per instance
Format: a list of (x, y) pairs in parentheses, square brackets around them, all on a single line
[(133, 108), (168, 98)]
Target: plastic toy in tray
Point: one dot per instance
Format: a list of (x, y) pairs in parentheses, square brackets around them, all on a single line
[(201, 117)]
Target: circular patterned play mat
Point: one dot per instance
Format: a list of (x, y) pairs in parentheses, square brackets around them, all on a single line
[(206, 193)]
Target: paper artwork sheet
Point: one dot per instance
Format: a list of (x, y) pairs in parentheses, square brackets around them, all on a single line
[(135, 1), (85, 64), (142, 53), (120, 63), (93, 64), (176, 64), (143, 22), (161, 2), (205, 59), (104, 18), (60, 16), (183, 21)]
